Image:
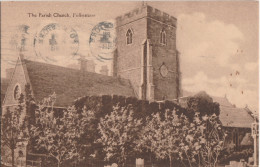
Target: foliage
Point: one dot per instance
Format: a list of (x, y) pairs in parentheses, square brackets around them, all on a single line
[(162, 135), (197, 142), (204, 141), (60, 137), (30, 105), (119, 131), (232, 155), (86, 122), (13, 129), (103, 105), (163, 129), (202, 103)]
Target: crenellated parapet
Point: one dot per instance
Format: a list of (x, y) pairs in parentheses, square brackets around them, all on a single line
[(146, 11), (161, 16)]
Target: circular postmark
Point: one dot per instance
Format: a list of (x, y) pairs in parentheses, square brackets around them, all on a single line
[(55, 43), (18, 43), (102, 41)]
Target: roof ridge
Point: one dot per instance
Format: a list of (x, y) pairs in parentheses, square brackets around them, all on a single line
[(68, 68), (54, 65)]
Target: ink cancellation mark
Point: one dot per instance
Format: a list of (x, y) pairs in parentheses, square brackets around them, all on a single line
[(56, 43), (18, 44), (102, 41)]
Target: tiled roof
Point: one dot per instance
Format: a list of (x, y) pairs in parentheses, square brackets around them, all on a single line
[(223, 101), (230, 116), (70, 84)]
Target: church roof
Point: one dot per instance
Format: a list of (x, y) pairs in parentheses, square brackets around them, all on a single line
[(232, 116), (70, 84)]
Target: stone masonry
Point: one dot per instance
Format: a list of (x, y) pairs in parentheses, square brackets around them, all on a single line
[(141, 60)]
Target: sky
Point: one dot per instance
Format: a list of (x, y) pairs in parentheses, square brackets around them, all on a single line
[(218, 41)]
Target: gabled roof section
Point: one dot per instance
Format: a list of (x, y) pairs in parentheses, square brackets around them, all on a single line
[(70, 84), (230, 116), (19, 77)]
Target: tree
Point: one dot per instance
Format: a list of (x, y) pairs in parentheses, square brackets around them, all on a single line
[(60, 136), (202, 103), (162, 135), (13, 129), (203, 142), (83, 124), (196, 143), (215, 139), (119, 131), (30, 106)]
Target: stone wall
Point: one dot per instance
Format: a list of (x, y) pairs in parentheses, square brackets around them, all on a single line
[(165, 87), (129, 56), (146, 23)]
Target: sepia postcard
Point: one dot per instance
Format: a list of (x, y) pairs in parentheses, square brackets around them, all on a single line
[(130, 84)]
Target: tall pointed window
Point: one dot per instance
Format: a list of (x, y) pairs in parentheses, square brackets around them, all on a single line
[(163, 37), (17, 92), (129, 36)]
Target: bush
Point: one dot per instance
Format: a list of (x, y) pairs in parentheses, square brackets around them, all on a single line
[(228, 156)]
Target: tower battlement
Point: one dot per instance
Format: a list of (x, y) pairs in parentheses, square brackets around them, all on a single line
[(146, 11), (146, 53)]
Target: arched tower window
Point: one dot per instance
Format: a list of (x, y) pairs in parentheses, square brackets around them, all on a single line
[(129, 36), (163, 37), (17, 92)]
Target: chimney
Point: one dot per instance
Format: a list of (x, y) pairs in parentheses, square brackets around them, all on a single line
[(82, 64), (104, 70), (86, 65), (91, 66), (9, 73)]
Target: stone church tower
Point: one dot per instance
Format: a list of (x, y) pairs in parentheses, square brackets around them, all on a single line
[(146, 53)]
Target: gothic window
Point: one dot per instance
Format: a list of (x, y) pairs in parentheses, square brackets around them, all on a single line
[(129, 37), (17, 92), (163, 37)]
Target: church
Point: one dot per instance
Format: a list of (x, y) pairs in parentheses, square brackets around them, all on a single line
[(146, 65)]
